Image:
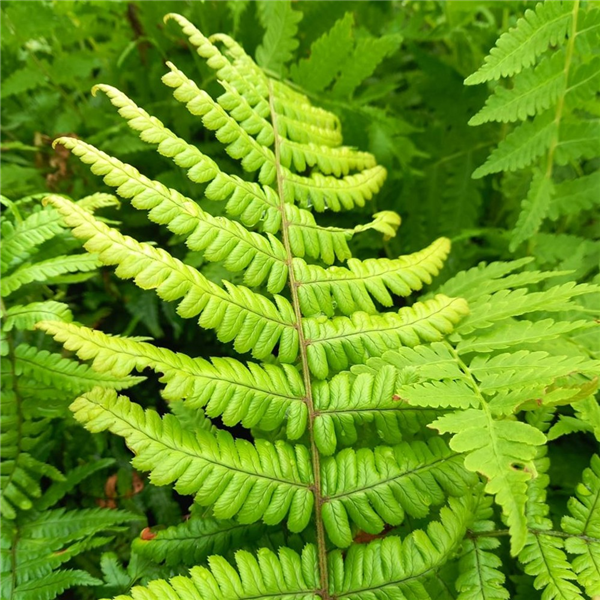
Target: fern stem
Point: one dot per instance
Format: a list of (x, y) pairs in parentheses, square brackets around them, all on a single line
[(293, 285)]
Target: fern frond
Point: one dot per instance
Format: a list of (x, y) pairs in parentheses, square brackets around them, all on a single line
[(347, 402), (583, 527), (575, 195), (337, 343), (279, 41), (192, 542), (533, 92), (47, 269), (543, 555), (264, 323), (502, 451), (534, 209), (26, 316), (327, 54), (350, 289), (64, 374), (480, 576), (219, 238), (519, 47), (252, 395), (18, 241), (253, 481), (521, 147), (374, 487), (384, 568), (519, 333)]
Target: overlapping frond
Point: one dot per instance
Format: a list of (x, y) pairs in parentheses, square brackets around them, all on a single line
[(193, 541), (583, 527), (384, 569), (373, 487), (251, 394), (253, 321), (337, 343), (250, 481)]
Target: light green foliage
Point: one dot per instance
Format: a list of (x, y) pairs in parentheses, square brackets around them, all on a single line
[(556, 76), (385, 434)]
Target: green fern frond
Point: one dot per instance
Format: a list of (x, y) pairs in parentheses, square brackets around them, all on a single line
[(553, 93), (265, 322), (64, 374), (279, 41), (480, 576), (350, 289), (252, 395), (192, 542), (543, 555), (253, 481), (47, 269), (19, 240), (26, 316), (583, 527), (519, 47), (416, 475), (337, 343)]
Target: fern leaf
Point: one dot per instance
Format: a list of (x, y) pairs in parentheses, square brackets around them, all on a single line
[(64, 374), (583, 527), (19, 241), (279, 40), (383, 568), (388, 567), (252, 395), (345, 403), (26, 316), (519, 47), (264, 323), (503, 452), (327, 54), (374, 487), (534, 209), (323, 290), (480, 576), (543, 555), (574, 195), (55, 583), (192, 542), (337, 343), (368, 53), (521, 147), (511, 303), (533, 93), (219, 238), (47, 269), (518, 333), (235, 477), (578, 140)]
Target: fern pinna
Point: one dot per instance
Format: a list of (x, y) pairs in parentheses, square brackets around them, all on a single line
[(343, 405)]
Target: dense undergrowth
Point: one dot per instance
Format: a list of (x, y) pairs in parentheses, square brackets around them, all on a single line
[(384, 217)]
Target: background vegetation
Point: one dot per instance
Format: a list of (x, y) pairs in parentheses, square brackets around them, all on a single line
[(408, 105)]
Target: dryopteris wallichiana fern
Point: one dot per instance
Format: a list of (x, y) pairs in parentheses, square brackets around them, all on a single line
[(350, 393), (38, 384)]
